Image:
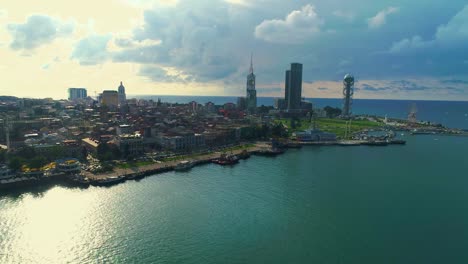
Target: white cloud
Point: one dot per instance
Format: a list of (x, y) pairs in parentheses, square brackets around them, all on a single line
[(456, 29), (298, 26), (454, 33), (238, 2), (92, 50), (120, 43), (407, 43), (37, 31), (381, 17)]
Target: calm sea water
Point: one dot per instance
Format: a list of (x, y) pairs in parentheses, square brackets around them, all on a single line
[(398, 204), (448, 113)]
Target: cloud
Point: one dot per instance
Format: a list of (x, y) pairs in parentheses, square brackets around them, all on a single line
[(37, 31), (456, 29), (269, 90), (92, 50), (238, 2), (186, 39), (408, 43), (381, 17), (454, 34), (298, 26), (163, 74), (130, 43), (454, 81)]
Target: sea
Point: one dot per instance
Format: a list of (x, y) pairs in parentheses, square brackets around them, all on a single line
[(321, 204)]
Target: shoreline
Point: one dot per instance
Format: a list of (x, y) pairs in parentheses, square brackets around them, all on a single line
[(120, 175)]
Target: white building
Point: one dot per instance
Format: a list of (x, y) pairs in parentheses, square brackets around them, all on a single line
[(188, 141)]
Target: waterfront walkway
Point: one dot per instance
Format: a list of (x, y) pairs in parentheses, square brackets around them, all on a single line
[(167, 165)]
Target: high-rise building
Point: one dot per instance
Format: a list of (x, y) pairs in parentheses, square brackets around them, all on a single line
[(110, 98), (348, 91), (251, 99), (122, 96), (286, 87), (294, 86), (77, 93)]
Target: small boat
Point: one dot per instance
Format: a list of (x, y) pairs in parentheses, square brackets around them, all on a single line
[(397, 142), (225, 159), (184, 166)]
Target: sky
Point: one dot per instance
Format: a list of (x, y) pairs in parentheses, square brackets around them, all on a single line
[(399, 49)]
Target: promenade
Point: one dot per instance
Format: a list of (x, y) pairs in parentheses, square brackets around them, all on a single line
[(168, 165)]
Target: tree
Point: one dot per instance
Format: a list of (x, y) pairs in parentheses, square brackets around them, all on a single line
[(15, 163), (278, 130), (3, 155), (37, 162), (26, 152), (332, 112)]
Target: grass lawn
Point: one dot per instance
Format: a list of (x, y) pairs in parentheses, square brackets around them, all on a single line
[(336, 126)]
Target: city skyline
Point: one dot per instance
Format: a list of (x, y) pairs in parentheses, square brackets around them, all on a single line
[(175, 48)]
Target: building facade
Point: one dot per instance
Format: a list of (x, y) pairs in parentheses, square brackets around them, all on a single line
[(294, 81), (286, 88), (110, 99), (182, 142), (130, 145), (77, 94), (251, 99), (122, 95)]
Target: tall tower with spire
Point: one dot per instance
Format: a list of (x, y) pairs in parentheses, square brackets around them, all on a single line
[(251, 92), (122, 96)]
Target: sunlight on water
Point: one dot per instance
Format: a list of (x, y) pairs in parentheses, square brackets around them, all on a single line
[(300, 207), (46, 230)]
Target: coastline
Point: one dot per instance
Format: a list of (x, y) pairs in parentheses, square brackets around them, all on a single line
[(119, 175)]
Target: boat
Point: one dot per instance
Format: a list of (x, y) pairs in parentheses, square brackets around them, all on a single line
[(109, 181), (184, 165), (376, 143), (397, 142), (225, 159)]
